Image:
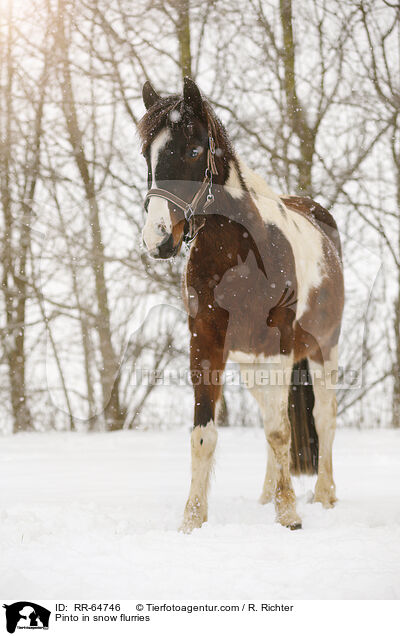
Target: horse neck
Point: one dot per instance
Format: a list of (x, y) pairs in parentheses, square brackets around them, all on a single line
[(233, 227), (235, 194), (242, 179)]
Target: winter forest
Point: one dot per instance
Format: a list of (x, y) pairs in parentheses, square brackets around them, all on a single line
[(309, 92)]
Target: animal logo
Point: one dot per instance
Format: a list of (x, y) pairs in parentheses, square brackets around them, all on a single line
[(26, 615)]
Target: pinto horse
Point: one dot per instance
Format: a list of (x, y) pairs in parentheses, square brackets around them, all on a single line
[(263, 286)]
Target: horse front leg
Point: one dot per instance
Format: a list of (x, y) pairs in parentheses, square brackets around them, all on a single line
[(206, 361)]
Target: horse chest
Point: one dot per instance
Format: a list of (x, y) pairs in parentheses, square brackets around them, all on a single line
[(236, 297)]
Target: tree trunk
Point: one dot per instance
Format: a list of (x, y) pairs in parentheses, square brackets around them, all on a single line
[(295, 110), (396, 367), (183, 35), (113, 412), (13, 276)]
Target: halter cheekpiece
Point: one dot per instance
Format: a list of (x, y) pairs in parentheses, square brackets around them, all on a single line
[(191, 209)]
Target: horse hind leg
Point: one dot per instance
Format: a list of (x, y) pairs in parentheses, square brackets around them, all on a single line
[(325, 423), (269, 486), (273, 401)]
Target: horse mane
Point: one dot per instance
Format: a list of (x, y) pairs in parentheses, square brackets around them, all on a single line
[(157, 118)]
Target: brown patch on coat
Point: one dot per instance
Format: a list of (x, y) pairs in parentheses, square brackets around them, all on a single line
[(177, 230)]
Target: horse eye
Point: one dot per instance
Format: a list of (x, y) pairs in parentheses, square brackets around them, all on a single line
[(194, 152)]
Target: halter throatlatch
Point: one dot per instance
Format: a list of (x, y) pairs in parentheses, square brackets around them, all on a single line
[(194, 207)]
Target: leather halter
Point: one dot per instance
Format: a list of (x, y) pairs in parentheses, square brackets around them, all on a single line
[(194, 207)]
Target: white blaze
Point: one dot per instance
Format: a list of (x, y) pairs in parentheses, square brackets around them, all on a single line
[(158, 222)]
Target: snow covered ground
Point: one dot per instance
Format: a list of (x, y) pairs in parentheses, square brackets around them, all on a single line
[(95, 516)]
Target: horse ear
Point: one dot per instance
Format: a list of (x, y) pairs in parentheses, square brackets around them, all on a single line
[(150, 96), (192, 96)]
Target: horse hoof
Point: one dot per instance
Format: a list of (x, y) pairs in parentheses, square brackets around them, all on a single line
[(188, 525), (185, 528), (295, 526), (325, 504), (327, 501), (289, 519)]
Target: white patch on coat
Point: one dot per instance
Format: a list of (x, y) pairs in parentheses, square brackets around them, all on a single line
[(233, 185), (304, 238), (255, 183), (203, 443), (158, 222), (270, 397), (262, 373), (252, 358)]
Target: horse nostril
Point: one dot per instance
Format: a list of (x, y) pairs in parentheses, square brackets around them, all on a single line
[(166, 248)]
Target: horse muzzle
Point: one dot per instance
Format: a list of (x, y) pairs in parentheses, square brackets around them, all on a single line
[(166, 249)]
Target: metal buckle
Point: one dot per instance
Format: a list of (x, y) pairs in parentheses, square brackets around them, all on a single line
[(189, 213), (190, 238)]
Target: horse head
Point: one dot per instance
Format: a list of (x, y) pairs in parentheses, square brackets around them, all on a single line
[(179, 136)]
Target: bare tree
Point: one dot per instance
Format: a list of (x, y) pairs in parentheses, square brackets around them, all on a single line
[(381, 60), (19, 177), (113, 410)]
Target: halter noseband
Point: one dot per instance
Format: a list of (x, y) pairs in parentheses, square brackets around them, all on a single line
[(191, 209)]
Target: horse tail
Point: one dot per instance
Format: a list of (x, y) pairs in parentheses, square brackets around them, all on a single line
[(304, 443)]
